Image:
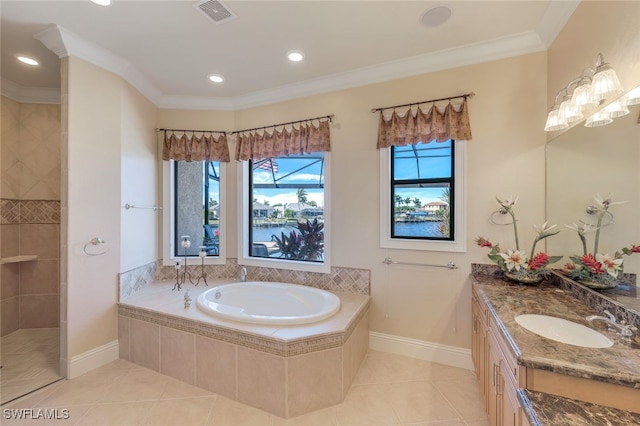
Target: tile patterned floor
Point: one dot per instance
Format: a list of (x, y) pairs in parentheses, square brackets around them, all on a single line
[(30, 360), (388, 390)]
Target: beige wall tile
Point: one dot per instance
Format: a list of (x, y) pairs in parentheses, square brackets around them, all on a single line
[(10, 241), (314, 381), (145, 344), (360, 337), (261, 380), (10, 278), (39, 311), (10, 313), (39, 277), (216, 364), (124, 337), (40, 239), (177, 354)]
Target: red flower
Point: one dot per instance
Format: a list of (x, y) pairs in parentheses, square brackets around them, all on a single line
[(538, 261), (483, 243), (590, 262), (569, 266), (635, 249)]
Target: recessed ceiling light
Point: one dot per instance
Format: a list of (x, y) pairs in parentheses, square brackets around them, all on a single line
[(102, 2), (27, 60), (436, 16), (216, 78), (295, 55)]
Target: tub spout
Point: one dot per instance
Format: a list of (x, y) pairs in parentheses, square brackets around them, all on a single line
[(243, 274)]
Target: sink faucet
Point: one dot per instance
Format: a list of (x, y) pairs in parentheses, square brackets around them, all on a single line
[(243, 274), (624, 329)]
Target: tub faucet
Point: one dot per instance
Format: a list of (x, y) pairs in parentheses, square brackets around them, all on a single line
[(243, 274), (624, 329)]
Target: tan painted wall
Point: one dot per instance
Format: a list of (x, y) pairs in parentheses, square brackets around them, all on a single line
[(110, 155), (506, 156)]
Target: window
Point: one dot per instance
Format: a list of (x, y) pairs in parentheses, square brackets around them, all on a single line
[(195, 209), (422, 189), (285, 212)]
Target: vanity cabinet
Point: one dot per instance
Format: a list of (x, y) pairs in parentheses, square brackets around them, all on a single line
[(498, 373)]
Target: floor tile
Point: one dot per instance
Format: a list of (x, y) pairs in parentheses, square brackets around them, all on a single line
[(390, 390)]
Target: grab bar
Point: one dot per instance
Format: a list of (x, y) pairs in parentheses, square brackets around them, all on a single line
[(390, 261)]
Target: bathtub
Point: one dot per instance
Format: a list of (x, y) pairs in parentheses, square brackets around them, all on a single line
[(271, 303)]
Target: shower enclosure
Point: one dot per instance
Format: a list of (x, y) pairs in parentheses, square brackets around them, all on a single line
[(29, 247)]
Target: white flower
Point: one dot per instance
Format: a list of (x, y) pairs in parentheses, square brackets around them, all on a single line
[(543, 229), (604, 203), (514, 259), (508, 203), (609, 264), (582, 228)]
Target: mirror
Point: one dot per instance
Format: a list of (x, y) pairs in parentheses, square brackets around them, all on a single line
[(585, 161)]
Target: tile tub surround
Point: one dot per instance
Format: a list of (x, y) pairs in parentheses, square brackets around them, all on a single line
[(549, 410), (617, 367), (341, 279), (284, 370)]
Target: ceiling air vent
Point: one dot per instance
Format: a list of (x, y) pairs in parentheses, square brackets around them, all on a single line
[(215, 11)]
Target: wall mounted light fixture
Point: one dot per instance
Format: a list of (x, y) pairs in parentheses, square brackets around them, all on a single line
[(588, 91)]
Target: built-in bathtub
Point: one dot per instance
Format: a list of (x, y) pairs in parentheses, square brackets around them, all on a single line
[(287, 370), (272, 303)]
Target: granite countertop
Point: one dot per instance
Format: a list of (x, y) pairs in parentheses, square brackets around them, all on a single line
[(545, 409), (619, 364)]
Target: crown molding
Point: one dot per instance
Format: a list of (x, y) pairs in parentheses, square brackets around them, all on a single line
[(65, 43), (29, 95), (554, 19)]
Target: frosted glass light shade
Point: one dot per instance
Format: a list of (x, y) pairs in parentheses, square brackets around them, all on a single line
[(617, 109), (605, 84), (633, 97), (569, 112), (555, 121), (600, 118), (581, 98)]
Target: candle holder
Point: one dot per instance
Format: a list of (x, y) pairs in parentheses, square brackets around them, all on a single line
[(178, 284), (203, 275), (185, 243)]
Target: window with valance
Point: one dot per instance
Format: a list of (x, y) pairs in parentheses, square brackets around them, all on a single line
[(422, 177)]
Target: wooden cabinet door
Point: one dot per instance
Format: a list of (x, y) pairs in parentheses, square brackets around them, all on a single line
[(493, 378), (509, 406)]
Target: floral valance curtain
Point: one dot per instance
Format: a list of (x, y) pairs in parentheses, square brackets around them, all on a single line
[(306, 137), (190, 147), (425, 126)]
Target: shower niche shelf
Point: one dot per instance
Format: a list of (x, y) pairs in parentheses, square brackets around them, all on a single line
[(21, 258)]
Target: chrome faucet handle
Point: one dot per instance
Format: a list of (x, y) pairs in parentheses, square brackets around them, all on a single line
[(610, 315)]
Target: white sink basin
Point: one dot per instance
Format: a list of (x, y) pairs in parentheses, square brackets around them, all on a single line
[(564, 331)]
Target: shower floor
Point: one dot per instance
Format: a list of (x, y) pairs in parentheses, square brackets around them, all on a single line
[(30, 360)]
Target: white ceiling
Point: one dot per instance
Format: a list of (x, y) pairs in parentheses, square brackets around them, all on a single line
[(168, 48)]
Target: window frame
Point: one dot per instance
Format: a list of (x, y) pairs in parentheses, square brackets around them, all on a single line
[(244, 256), (459, 241), (169, 217)]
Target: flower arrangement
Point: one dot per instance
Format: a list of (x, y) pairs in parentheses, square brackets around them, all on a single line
[(597, 270), (514, 263)]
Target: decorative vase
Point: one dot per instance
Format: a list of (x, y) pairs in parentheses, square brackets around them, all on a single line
[(524, 277), (597, 284)]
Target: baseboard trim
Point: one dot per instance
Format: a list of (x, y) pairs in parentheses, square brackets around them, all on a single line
[(428, 351), (92, 359)]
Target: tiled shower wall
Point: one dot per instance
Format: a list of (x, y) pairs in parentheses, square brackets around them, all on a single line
[(30, 214)]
